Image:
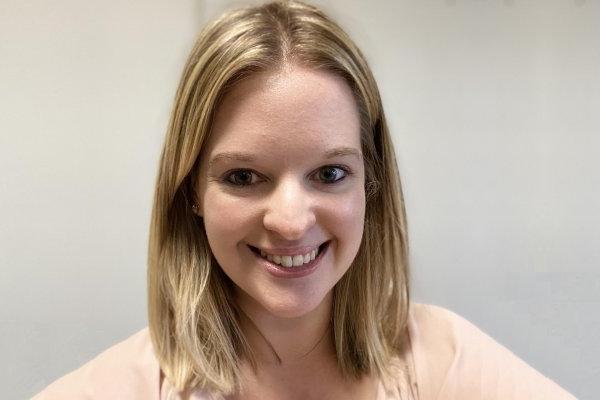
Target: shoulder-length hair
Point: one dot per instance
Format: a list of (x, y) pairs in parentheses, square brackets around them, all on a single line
[(192, 321)]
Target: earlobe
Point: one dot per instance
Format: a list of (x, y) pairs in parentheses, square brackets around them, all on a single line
[(196, 210)]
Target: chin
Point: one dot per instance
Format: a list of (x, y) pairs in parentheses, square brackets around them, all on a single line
[(297, 307)]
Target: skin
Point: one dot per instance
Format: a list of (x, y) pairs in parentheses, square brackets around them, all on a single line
[(288, 191)]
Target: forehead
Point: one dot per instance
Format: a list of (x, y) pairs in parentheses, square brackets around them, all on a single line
[(291, 108)]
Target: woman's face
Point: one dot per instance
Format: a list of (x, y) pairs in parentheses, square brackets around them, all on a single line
[(281, 188)]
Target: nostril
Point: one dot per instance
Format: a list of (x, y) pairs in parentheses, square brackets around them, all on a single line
[(291, 227)]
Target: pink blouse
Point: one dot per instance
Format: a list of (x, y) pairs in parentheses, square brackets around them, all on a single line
[(448, 359)]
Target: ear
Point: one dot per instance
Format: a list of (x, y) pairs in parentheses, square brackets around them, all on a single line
[(197, 208), (194, 196)]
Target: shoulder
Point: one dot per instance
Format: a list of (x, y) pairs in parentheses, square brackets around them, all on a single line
[(127, 370), (454, 359)]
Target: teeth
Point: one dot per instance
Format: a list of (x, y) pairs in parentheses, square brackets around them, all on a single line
[(286, 261), (297, 261), (291, 261)]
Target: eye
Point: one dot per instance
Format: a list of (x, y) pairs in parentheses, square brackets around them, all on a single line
[(331, 174), (240, 177)]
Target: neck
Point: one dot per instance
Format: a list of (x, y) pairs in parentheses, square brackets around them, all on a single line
[(287, 341)]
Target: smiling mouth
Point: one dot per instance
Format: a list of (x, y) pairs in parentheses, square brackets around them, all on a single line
[(291, 261)]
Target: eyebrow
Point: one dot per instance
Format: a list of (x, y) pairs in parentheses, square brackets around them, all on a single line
[(343, 151), (231, 156), (248, 157)]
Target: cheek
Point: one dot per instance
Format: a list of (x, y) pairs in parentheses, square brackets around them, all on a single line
[(347, 220), (226, 219)]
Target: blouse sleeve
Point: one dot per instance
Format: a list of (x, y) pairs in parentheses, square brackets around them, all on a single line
[(127, 370), (454, 360)]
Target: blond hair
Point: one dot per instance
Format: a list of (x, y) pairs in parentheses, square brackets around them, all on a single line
[(193, 323)]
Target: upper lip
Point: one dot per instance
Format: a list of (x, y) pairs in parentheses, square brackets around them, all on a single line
[(288, 251)]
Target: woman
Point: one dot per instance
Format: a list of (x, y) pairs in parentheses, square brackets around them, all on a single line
[(278, 259)]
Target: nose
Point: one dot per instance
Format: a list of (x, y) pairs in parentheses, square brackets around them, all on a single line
[(289, 210)]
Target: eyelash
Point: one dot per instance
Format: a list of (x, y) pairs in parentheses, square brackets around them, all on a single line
[(227, 176)]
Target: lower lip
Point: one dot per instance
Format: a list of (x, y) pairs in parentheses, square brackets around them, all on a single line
[(291, 272)]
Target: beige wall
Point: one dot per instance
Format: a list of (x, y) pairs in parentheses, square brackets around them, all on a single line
[(494, 107)]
